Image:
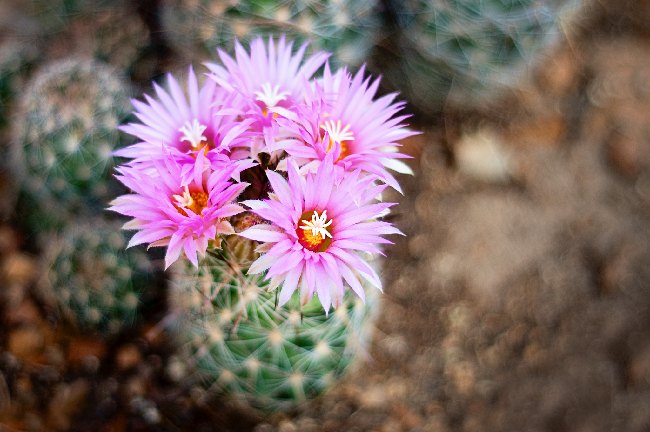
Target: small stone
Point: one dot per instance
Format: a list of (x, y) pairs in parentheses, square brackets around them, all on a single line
[(639, 368), (25, 313), (395, 345), (151, 415), (542, 131), (128, 356), (26, 343), (135, 387), (481, 156), (54, 356), (561, 74), (263, 427), (287, 426), (81, 351), (463, 377), (624, 154), (19, 268), (409, 418), (307, 425), (8, 239), (176, 369), (374, 396), (67, 401), (391, 425)]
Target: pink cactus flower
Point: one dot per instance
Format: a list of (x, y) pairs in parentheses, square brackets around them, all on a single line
[(185, 127), (270, 76), (184, 215), (319, 226), (342, 116)]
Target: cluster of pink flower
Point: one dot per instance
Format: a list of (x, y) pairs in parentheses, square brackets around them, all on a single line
[(322, 145)]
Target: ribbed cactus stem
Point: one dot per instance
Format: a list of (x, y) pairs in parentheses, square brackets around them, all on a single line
[(92, 279), (244, 346), (63, 139)]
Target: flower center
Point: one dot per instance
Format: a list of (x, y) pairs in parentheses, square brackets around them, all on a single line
[(270, 96), (336, 133), (193, 134), (194, 201), (315, 234)]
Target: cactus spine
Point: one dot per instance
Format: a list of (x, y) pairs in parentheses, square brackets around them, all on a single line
[(242, 345)]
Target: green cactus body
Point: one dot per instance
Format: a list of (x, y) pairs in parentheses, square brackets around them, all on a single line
[(91, 278), (269, 357), (63, 139), (345, 28), (464, 52)]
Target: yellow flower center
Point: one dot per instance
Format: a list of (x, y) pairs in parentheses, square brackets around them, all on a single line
[(195, 201), (336, 133), (315, 232), (193, 134)]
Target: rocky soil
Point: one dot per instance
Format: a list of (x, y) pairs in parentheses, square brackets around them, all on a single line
[(519, 300)]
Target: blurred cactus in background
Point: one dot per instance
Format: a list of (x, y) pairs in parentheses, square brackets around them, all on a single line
[(96, 284), (245, 346), (463, 53), (63, 138), (345, 28), (16, 58)]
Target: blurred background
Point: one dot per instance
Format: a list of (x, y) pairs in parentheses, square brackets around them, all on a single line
[(519, 299)]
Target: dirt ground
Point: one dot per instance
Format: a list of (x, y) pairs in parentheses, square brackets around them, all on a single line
[(519, 299)]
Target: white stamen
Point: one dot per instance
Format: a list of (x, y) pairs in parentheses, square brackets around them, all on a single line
[(270, 96), (318, 224), (184, 200), (193, 133), (337, 132)]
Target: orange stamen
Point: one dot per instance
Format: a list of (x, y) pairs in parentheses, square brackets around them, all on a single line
[(313, 233)]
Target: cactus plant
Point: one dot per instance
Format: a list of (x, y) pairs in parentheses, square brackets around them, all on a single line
[(275, 203), (63, 139), (464, 52), (95, 283), (346, 28), (16, 58), (245, 346)]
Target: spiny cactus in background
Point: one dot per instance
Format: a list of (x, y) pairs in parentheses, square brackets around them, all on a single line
[(244, 346), (16, 58), (463, 52), (345, 28), (63, 139), (89, 276)]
